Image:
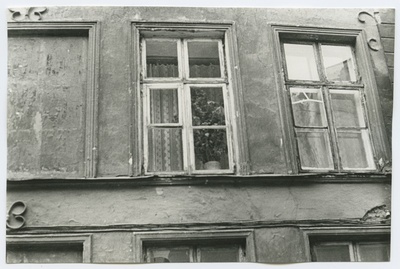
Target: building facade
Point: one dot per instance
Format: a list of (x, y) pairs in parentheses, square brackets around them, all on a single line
[(160, 134)]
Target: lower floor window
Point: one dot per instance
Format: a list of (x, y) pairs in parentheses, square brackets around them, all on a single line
[(361, 251), (199, 251)]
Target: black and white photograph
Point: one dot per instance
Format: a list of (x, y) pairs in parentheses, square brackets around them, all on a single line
[(198, 134)]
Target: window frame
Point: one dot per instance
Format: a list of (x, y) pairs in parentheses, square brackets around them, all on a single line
[(225, 33), (340, 235), (140, 239), (31, 240), (368, 89)]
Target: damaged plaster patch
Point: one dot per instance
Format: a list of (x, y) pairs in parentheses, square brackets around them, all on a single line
[(159, 191), (37, 127), (377, 214)]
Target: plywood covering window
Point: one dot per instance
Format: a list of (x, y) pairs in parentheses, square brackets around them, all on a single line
[(329, 93), (186, 105)]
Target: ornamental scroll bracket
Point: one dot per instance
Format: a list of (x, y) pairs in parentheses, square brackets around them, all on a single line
[(27, 13), (14, 219), (373, 43)]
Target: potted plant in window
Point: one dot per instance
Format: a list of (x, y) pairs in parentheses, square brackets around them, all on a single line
[(210, 144)]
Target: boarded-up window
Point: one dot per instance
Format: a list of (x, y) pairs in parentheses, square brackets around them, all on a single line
[(47, 81)]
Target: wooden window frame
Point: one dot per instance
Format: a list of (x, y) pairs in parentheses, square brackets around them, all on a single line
[(342, 235), (192, 237), (48, 239), (225, 33), (90, 30), (357, 39)]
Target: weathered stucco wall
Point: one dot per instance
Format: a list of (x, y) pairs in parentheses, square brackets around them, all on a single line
[(141, 205), (264, 130)]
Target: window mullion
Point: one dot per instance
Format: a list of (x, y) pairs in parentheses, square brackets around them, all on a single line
[(188, 143), (331, 129), (319, 61)]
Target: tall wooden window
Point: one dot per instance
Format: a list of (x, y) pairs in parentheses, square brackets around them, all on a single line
[(327, 104), (186, 107)]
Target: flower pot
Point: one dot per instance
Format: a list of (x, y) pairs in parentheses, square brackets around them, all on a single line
[(212, 165)]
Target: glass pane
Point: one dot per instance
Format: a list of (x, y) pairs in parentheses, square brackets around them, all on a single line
[(374, 252), (45, 253), (314, 150), (332, 253), (161, 58), (204, 59), (207, 106), (300, 62), (338, 63), (164, 106), (355, 149), (219, 254), (169, 254), (165, 149), (308, 107), (210, 148), (347, 110)]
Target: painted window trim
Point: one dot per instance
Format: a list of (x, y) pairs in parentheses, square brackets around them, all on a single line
[(90, 129), (140, 238), (84, 239), (197, 30), (349, 232), (378, 135)]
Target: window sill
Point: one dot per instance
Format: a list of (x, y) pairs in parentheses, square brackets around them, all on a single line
[(168, 180)]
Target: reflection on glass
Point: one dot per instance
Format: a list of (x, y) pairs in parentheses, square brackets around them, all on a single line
[(355, 149), (339, 63), (374, 252), (169, 254), (204, 59), (164, 106), (314, 149), (331, 253), (219, 254), (165, 149), (207, 106), (308, 107), (300, 62), (161, 58), (347, 110), (210, 148)]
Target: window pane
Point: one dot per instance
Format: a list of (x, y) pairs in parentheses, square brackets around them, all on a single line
[(332, 253), (164, 106), (161, 58), (347, 110), (219, 254), (210, 148), (170, 254), (355, 149), (374, 252), (314, 149), (204, 59), (308, 107), (339, 63), (207, 106), (53, 253), (300, 62), (165, 149)]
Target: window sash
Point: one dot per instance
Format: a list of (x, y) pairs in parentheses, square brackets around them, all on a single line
[(327, 89)]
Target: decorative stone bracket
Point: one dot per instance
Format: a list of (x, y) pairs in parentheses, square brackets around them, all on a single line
[(14, 219), (27, 13), (373, 44)]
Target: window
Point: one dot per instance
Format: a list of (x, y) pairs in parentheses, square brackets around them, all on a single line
[(194, 246), (199, 251), (332, 108), (331, 244), (187, 108), (342, 251), (49, 249)]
